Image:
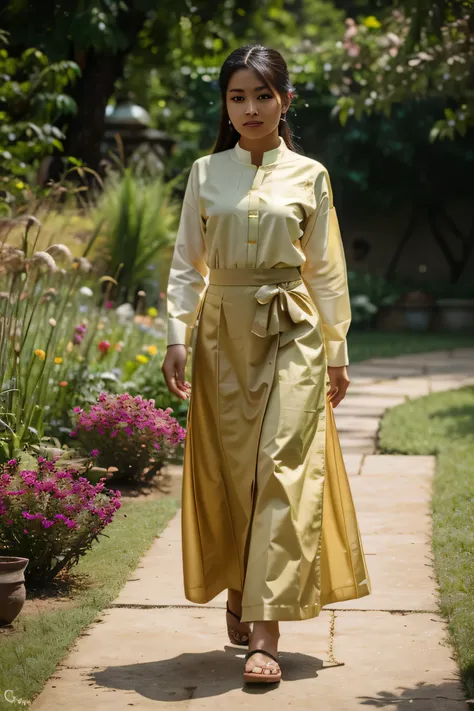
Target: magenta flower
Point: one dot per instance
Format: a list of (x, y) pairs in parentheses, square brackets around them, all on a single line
[(64, 510), (79, 333), (129, 432)]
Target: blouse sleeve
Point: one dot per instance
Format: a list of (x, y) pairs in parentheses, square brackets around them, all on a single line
[(188, 274), (325, 273)]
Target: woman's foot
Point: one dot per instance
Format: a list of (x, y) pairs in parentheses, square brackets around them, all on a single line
[(238, 631), (265, 636)]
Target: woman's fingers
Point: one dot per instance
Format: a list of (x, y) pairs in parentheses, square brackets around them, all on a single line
[(339, 382), (173, 369)]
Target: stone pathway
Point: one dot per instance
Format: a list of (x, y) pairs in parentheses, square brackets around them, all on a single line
[(154, 650)]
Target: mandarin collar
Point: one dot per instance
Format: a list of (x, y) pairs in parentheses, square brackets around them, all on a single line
[(275, 155)]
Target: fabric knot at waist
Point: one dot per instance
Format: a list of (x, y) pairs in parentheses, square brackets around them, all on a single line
[(281, 302)]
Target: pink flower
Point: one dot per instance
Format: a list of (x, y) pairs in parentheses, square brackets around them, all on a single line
[(129, 431), (109, 304), (95, 453)]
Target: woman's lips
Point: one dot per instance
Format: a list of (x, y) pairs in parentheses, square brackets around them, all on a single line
[(253, 123)]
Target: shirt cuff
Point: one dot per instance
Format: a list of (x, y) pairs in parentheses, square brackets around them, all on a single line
[(337, 353), (178, 333)]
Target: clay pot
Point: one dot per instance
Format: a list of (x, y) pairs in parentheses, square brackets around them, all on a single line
[(12, 587)]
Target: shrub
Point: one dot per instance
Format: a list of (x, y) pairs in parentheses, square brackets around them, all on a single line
[(51, 516), (129, 433)]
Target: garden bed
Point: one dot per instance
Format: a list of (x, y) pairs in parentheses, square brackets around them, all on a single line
[(441, 425)]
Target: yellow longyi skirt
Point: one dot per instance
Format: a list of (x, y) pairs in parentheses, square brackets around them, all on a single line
[(267, 507)]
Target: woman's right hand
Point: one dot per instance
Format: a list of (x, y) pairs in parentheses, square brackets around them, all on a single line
[(173, 369)]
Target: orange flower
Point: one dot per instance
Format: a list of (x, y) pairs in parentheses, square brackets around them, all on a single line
[(63, 383)]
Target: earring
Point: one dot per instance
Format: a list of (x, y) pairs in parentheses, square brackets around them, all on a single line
[(230, 122), (282, 117)]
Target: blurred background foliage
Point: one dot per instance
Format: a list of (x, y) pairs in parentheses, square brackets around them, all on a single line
[(383, 99)]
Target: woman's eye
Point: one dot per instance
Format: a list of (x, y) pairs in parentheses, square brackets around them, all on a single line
[(241, 98)]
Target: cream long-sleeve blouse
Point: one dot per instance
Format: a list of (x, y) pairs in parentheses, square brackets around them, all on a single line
[(235, 215)]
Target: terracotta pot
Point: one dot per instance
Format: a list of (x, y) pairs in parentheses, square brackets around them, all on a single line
[(12, 587)]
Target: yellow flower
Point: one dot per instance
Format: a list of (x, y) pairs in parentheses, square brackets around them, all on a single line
[(152, 312), (151, 350), (20, 185), (142, 359), (40, 354), (372, 23), (58, 361)]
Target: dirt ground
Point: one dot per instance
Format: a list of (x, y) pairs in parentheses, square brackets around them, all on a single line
[(166, 484)]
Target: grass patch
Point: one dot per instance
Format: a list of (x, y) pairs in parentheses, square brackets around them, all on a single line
[(442, 425), (30, 653), (375, 344)]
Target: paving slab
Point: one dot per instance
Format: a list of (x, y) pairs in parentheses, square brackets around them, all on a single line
[(158, 579), (410, 388), (368, 401), (401, 574), (362, 425), (398, 495), (437, 386), (387, 465), (353, 463), (358, 445), (384, 371)]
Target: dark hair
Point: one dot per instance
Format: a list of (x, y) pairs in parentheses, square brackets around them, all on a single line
[(271, 67)]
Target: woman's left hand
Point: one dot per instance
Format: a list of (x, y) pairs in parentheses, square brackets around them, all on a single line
[(339, 381)]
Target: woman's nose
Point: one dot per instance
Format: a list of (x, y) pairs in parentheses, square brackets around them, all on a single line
[(251, 108)]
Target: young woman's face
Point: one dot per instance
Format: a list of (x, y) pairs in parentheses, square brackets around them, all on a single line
[(253, 107)]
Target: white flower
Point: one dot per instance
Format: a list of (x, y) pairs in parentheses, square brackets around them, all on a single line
[(327, 66), (85, 291), (52, 322), (125, 313)]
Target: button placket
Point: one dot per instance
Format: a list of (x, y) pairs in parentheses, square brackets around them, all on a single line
[(253, 215)]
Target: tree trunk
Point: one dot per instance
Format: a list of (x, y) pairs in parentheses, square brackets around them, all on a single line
[(93, 90), (92, 93)]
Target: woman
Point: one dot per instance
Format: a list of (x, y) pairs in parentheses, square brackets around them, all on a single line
[(266, 512)]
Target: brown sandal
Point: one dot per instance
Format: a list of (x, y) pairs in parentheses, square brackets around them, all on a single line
[(236, 637), (261, 677)]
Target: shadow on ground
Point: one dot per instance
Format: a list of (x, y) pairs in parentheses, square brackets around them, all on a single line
[(203, 675), (198, 676)]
